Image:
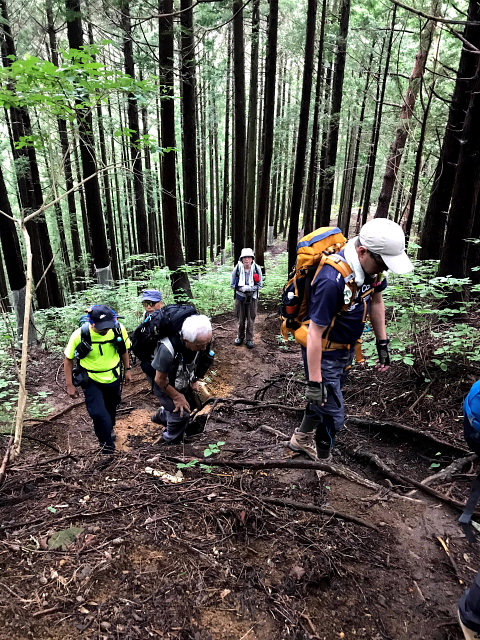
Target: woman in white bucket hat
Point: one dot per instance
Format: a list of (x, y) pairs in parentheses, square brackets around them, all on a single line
[(247, 279)]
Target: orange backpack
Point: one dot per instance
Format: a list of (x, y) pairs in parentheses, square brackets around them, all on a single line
[(314, 250)]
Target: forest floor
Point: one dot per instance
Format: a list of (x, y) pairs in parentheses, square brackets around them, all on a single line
[(237, 550)]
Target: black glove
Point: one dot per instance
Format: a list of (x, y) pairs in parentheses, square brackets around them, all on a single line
[(383, 352), (316, 392)]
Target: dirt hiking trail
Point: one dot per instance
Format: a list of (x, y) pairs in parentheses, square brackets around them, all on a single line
[(253, 542)]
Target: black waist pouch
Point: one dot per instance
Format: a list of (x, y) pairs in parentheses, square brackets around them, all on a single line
[(80, 376)]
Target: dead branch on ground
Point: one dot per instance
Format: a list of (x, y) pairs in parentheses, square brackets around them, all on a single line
[(302, 506)]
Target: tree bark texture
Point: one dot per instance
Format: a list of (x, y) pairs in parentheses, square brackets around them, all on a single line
[(465, 195), (337, 96), (398, 146), (173, 247), (239, 129), (93, 201), (48, 291), (268, 133), (251, 175), (434, 224), (189, 129), (301, 148), (309, 206), (135, 136)]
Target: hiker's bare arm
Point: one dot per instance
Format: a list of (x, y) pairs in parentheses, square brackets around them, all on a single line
[(377, 316), (68, 369), (126, 365), (179, 400), (314, 351)]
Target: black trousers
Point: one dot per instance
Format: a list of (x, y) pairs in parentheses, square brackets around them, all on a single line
[(472, 436), (102, 400)]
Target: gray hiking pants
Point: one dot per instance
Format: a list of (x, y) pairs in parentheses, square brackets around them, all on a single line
[(176, 425), (334, 373), (246, 314)]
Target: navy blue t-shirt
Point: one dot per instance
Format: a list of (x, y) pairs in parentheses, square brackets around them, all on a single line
[(328, 298)]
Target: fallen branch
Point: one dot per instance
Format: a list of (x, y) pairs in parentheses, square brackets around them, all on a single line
[(447, 473), (415, 434), (5, 460), (403, 480), (302, 506), (56, 415), (340, 471), (255, 403), (275, 432), (445, 547), (37, 440), (257, 465)]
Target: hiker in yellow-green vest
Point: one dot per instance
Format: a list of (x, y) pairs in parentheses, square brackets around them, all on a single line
[(101, 348), (336, 324)]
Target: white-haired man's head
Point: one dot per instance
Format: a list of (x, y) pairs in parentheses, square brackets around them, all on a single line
[(197, 332)]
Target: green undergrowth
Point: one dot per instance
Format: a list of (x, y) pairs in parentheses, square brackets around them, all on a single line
[(426, 331)]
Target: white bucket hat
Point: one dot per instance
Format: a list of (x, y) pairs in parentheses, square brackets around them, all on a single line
[(247, 253), (386, 238)]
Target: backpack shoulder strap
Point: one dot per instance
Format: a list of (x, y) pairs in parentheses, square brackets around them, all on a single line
[(340, 265), (168, 344), (85, 333)]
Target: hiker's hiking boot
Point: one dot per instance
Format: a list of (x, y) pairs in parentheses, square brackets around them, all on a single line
[(238, 341), (114, 435), (468, 633), (159, 417), (304, 443), (250, 344)]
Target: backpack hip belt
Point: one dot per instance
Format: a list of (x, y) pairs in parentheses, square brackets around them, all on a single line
[(329, 345)]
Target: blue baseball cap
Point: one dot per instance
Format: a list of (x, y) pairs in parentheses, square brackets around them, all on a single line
[(152, 295)]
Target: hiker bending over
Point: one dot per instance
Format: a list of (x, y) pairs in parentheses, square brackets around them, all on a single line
[(152, 300), (336, 325), (180, 360), (247, 279), (101, 348)]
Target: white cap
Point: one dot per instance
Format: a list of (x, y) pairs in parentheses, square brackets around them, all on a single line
[(386, 238), (247, 253)]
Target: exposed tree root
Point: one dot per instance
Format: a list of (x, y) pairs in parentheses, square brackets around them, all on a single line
[(447, 473), (255, 403), (361, 454), (302, 506), (413, 434), (337, 470)]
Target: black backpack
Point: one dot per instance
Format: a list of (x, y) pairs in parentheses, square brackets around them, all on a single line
[(160, 324)]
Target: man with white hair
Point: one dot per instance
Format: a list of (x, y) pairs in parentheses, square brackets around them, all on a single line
[(179, 361), (336, 324)]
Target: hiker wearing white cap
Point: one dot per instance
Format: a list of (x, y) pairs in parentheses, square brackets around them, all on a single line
[(336, 324), (247, 279)]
